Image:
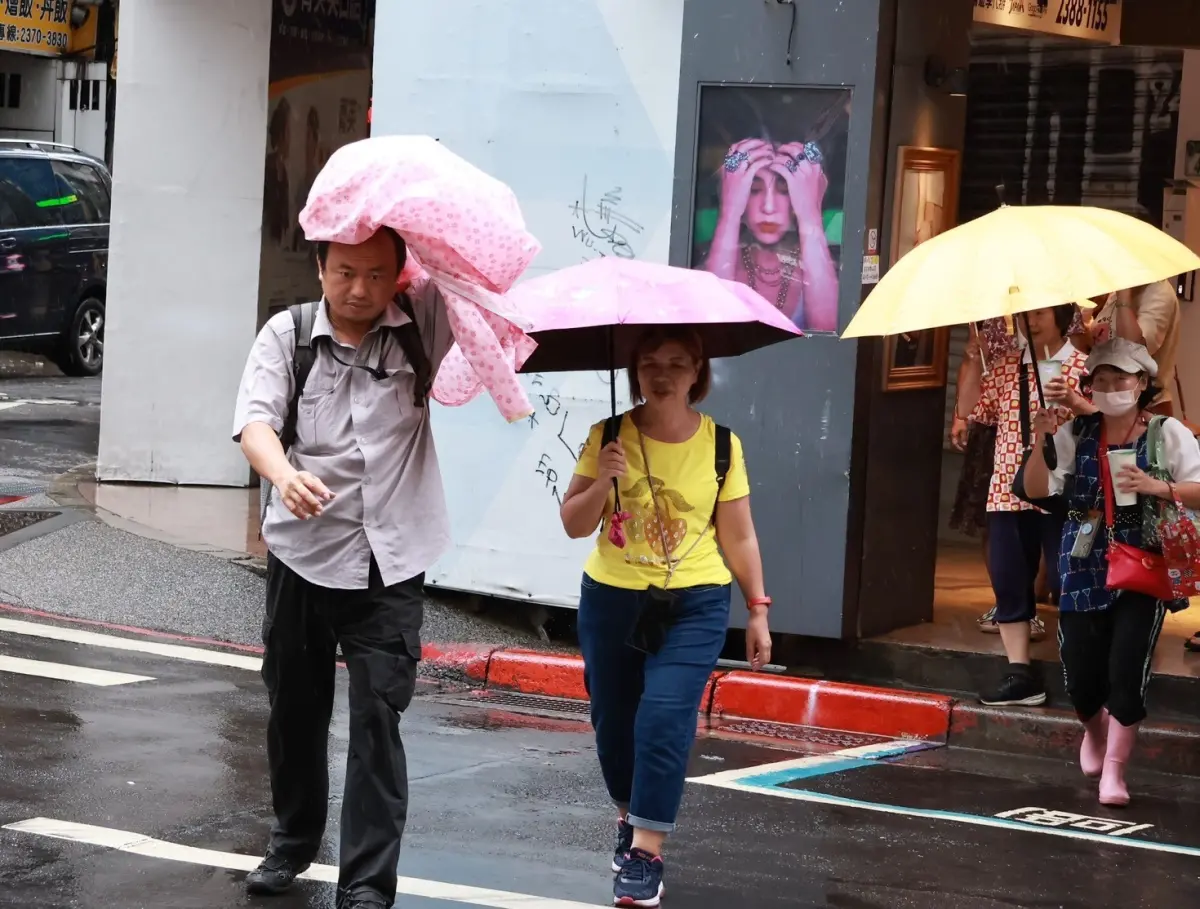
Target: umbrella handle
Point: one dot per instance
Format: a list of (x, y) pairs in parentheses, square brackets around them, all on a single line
[(612, 397), (1049, 451)]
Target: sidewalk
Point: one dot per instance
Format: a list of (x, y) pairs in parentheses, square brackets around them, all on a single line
[(219, 521)]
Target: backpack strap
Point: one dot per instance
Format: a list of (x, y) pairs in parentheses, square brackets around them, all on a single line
[(304, 355), (723, 460), (408, 336)]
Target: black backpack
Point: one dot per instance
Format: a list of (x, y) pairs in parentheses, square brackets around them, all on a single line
[(408, 336), (721, 459)]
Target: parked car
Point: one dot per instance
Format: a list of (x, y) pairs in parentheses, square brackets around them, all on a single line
[(54, 216)]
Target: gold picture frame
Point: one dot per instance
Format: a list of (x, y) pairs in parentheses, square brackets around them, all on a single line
[(925, 205)]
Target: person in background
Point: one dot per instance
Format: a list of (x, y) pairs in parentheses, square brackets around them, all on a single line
[(1107, 637), (1020, 535), (991, 341), (653, 612), (977, 442), (1147, 315)]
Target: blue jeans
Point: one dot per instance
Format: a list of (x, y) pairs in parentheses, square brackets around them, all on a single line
[(644, 707)]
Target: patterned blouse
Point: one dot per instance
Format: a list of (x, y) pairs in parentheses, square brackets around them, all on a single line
[(1000, 405), (1084, 580), (996, 340)]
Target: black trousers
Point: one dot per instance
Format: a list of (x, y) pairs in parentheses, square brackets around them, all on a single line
[(1106, 656), (1017, 542), (379, 630)]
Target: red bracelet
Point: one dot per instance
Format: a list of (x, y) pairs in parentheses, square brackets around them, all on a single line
[(758, 601)]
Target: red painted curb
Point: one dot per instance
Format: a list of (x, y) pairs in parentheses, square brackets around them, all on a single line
[(529, 672), (471, 660), (734, 695), (832, 705)]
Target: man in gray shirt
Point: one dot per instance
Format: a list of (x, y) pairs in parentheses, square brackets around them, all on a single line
[(355, 517)]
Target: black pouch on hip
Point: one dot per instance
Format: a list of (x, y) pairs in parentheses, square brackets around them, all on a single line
[(655, 619)]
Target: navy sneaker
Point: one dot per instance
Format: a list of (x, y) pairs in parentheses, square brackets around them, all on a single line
[(624, 844), (640, 880)]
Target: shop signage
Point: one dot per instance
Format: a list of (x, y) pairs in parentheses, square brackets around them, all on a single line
[(1089, 20), (41, 27), (870, 271)]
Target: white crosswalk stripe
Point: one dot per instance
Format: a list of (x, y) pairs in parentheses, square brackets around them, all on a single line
[(102, 678), (124, 841)]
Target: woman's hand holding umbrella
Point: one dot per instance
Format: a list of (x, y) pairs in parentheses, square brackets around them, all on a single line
[(1044, 422), (612, 461)]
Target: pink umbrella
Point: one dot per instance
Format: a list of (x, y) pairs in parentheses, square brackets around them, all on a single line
[(589, 317), (464, 232)]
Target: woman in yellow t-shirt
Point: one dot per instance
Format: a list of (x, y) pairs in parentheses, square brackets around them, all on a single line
[(653, 613)]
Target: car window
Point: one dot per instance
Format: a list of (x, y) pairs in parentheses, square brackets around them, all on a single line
[(29, 193), (83, 195)]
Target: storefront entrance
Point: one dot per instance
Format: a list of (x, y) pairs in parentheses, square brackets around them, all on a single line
[(1052, 121)]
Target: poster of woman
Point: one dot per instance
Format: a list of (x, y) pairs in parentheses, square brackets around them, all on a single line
[(770, 187)]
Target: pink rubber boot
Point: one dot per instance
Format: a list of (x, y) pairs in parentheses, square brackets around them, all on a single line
[(1121, 739), (1095, 741)]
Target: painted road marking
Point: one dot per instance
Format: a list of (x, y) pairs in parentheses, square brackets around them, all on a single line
[(136, 844), (1042, 817), (932, 814), (61, 671), (154, 648), (40, 402), (782, 772)]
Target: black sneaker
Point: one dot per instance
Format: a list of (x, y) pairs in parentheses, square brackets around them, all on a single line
[(624, 844), (640, 880), (1018, 688), (274, 875)]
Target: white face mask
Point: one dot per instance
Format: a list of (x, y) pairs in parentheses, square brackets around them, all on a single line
[(1115, 403)]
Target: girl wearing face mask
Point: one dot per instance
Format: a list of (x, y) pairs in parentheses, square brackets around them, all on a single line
[(1107, 637)]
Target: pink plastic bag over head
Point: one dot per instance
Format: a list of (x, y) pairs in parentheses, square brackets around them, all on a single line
[(464, 230)]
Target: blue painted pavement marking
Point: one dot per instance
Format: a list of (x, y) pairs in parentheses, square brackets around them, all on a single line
[(773, 779)]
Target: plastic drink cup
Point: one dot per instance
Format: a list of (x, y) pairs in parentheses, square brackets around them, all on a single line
[(1049, 370), (1118, 460)]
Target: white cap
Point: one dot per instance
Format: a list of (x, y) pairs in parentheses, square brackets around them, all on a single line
[(1122, 354)]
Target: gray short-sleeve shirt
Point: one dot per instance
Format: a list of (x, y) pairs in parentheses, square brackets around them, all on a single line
[(364, 438)]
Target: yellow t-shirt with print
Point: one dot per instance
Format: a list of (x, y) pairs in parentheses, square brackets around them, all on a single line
[(683, 477)]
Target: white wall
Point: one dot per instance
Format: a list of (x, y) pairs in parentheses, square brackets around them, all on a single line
[(187, 210), (1189, 128), (550, 97), (36, 117), (84, 129)]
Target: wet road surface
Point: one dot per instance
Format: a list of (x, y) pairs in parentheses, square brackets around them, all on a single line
[(138, 779), (48, 425)]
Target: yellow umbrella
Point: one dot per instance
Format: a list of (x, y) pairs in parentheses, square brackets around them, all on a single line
[(1015, 259)]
